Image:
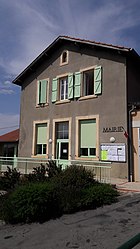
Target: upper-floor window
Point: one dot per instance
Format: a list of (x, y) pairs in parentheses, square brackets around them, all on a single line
[(42, 92), (63, 88), (87, 82), (64, 58)]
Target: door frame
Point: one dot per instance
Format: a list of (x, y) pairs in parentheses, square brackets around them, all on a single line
[(58, 148), (69, 119)]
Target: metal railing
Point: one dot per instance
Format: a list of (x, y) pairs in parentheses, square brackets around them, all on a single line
[(101, 170), (131, 243)]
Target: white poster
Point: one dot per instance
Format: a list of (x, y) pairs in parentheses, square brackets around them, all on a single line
[(113, 152)]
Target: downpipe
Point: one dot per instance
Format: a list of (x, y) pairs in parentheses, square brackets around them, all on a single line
[(130, 145)]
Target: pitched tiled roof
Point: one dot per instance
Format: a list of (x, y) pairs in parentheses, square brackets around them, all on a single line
[(12, 136), (95, 43), (51, 48)]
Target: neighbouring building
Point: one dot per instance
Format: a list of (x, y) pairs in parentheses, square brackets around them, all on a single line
[(9, 144), (77, 99)]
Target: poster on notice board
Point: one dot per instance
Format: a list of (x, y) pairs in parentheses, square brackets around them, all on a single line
[(113, 152)]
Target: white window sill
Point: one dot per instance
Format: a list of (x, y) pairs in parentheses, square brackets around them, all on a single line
[(42, 105), (88, 97), (63, 63), (84, 158), (40, 156), (62, 102)]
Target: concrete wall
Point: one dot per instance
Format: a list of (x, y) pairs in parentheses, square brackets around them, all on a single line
[(111, 106)]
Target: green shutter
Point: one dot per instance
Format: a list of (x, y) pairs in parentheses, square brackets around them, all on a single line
[(98, 80), (38, 91), (54, 90), (43, 94), (88, 133), (70, 86), (77, 85), (42, 134)]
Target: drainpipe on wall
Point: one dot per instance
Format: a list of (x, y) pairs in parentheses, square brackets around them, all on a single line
[(130, 145)]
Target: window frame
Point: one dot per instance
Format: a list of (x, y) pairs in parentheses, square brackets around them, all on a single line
[(69, 120), (34, 141), (77, 142), (37, 93), (83, 71), (58, 99), (65, 79), (62, 63)]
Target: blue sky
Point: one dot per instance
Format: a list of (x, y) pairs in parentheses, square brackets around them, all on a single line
[(28, 27)]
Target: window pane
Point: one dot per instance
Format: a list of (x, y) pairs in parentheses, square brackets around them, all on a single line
[(64, 88), (83, 151), (39, 149), (89, 82), (44, 149), (92, 151), (62, 130), (64, 57)]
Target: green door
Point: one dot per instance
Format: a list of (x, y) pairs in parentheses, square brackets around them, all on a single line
[(62, 152)]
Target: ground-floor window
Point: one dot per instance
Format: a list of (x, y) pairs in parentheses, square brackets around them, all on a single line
[(40, 138), (87, 137), (41, 141)]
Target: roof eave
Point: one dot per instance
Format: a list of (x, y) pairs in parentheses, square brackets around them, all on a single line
[(31, 67)]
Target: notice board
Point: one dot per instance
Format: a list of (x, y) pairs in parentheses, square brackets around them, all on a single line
[(113, 152)]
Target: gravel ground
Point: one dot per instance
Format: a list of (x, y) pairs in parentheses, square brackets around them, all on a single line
[(104, 228)]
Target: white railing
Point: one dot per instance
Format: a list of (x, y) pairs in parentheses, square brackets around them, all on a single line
[(102, 170)]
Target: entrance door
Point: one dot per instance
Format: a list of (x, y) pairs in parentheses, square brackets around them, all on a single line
[(62, 152)]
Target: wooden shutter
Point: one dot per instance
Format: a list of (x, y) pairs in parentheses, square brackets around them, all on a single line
[(77, 85), (54, 90), (98, 80), (43, 95), (70, 86), (38, 91), (42, 92)]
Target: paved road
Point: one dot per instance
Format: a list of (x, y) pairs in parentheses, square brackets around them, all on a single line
[(103, 228)]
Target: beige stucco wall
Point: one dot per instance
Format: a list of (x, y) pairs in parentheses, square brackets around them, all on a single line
[(111, 106)]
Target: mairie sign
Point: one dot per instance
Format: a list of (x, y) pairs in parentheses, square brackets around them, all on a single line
[(113, 129)]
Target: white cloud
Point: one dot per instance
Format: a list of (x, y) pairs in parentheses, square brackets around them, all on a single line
[(6, 91), (38, 23), (6, 87)]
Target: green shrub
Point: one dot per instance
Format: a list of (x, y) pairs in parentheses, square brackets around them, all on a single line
[(36, 202), (96, 196), (38, 174), (52, 169), (68, 191), (76, 176), (10, 179), (44, 172), (69, 184)]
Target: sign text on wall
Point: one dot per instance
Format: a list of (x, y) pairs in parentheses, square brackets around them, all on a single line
[(113, 129)]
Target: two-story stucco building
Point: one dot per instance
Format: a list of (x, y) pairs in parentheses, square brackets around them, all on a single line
[(75, 103)]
